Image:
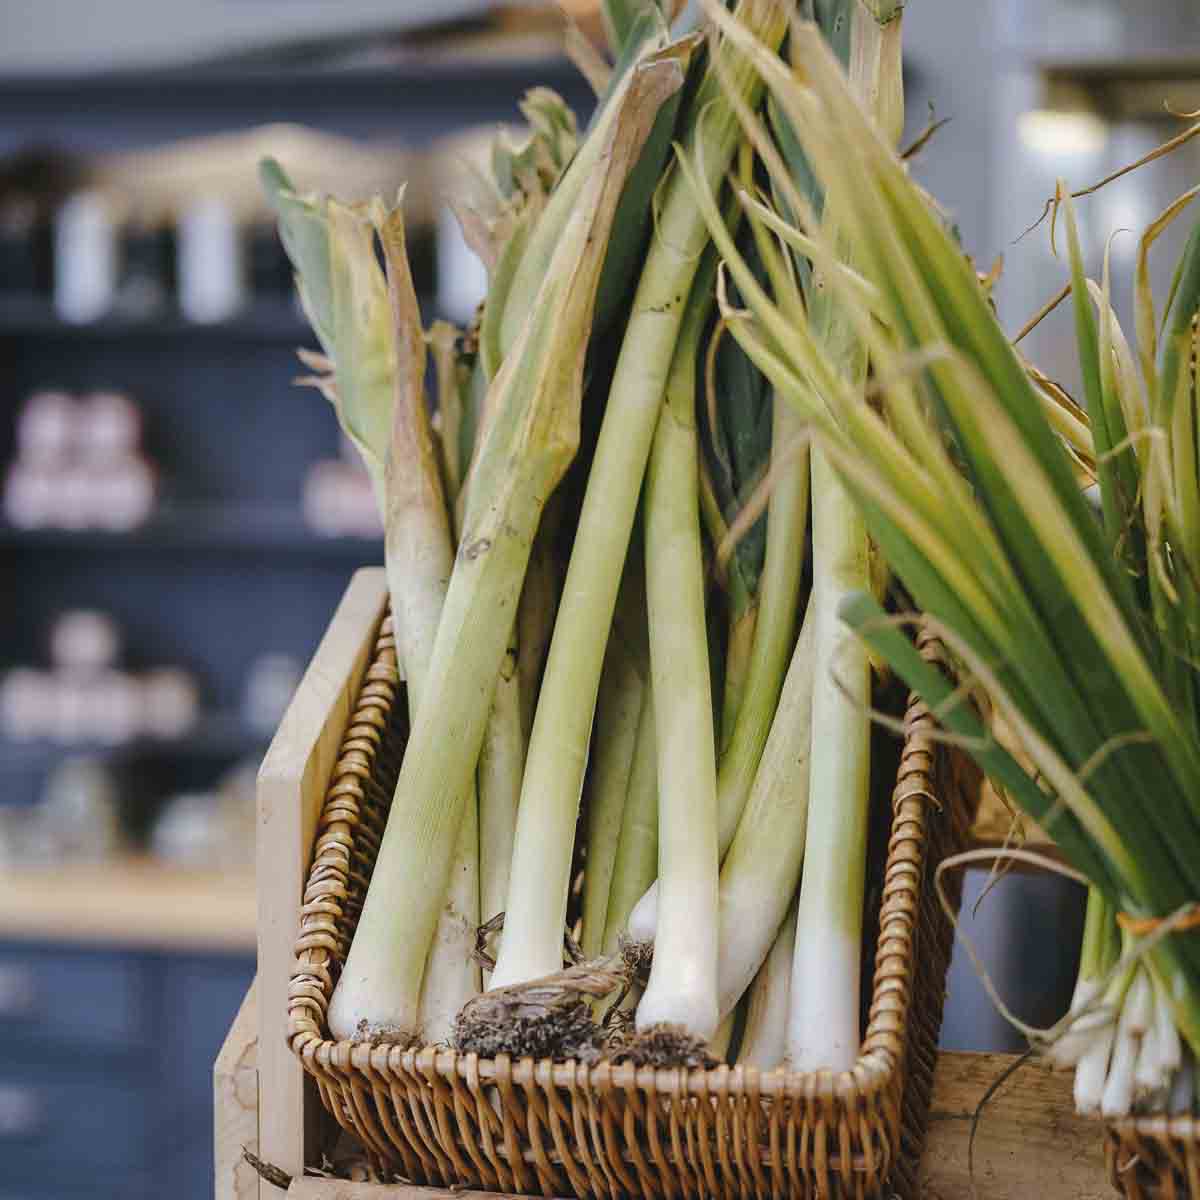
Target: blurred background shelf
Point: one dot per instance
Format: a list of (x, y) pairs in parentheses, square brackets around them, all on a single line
[(263, 321), (136, 902), (213, 529), (216, 734)]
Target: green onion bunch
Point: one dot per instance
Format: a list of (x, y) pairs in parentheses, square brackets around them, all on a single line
[(1074, 624)]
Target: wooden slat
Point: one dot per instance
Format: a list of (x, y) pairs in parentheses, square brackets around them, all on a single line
[(235, 1105), (1030, 1144), (134, 902), (291, 786)]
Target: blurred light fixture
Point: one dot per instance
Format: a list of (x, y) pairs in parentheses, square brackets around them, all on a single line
[(1057, 133)]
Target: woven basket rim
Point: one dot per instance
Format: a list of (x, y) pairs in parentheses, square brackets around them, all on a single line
[(881, 1056)]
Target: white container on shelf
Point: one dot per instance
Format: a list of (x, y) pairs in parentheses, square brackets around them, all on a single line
[(114, 709), (47, 426), (85, 640), (27, 700), (30, 496), (110, 427), (210, 266), (85, 258), (171, 702), (270, 684)]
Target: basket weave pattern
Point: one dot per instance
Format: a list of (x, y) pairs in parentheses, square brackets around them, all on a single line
[(561, 1128), (1154, 1158)]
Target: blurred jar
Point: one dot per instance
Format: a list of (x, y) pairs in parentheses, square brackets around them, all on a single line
[(85, 258), (211, 829), (187, 831), (47, 424), (84, 640), (79, 815), (170, 702), (210, 267), (27, 704), (270, 684)]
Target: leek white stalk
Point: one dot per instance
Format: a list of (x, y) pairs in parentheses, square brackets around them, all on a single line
[(1091, 1073), (558, 748), (526, 448), (1080, 1034), (772, 625), (501, 764), (682, 989), (637, 847), (1097, 956), (487, 832), (419, 555), (764, 1039), (1117, 1098), (1150, 1078), (762, 869), (1170, 1047), (1134, 1064), (618, 712), (451, 976), (823, 1026)]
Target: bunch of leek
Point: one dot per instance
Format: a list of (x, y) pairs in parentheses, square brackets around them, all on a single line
[(1077, 629), (679, 680)]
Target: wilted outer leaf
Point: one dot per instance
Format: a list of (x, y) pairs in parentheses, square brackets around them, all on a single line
[(344, 293)]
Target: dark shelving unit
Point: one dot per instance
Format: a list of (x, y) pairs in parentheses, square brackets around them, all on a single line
[(203, 529), (266, 321), (216, 734), (225, 570)]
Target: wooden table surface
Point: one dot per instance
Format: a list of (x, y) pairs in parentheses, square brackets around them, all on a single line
[(135, 901), (1029, 1144)]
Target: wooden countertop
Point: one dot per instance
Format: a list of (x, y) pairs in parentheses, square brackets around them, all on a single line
[(1029, 1142), (136, 902)]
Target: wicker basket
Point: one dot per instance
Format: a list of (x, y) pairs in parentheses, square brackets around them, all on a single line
[(1154, 1158), (559, 1128)]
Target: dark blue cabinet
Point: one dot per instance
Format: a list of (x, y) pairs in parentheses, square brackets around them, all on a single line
[(106, 1070)]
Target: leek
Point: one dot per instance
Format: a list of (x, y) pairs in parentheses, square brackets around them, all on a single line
[(526, 446), (557, 756)]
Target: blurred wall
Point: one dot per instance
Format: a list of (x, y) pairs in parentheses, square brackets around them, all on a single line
[(49, 36), (949, 49)]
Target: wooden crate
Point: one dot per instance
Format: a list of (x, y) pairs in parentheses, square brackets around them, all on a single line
[(291, 789)]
